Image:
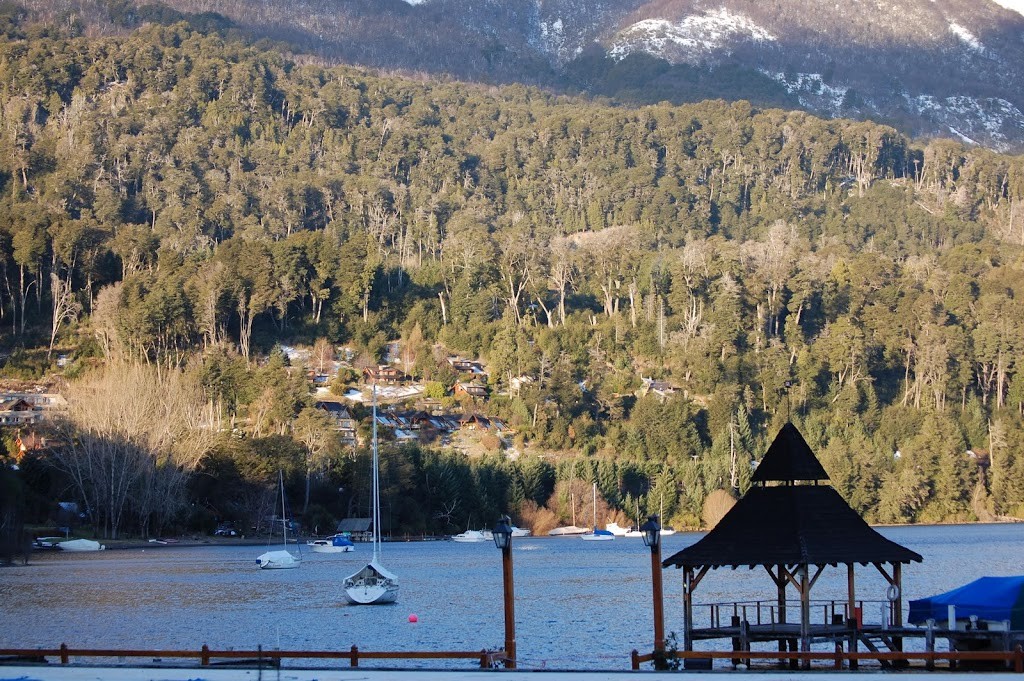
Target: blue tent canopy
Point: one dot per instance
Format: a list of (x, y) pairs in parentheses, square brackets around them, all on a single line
[(989, 598)]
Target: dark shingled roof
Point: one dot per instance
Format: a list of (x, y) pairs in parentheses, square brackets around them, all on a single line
[(791, 525), (789, 458)]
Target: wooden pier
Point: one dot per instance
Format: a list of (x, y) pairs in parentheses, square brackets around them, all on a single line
[(881, 638)]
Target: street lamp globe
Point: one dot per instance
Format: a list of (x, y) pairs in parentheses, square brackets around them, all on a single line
[(502, 533), (651, 531)]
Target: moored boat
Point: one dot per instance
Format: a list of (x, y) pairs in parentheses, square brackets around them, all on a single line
[(81, 545), (280, 559), (470, 537), (373, 585), (336, 543)]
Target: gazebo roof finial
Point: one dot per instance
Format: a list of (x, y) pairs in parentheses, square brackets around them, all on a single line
[(788, 459)]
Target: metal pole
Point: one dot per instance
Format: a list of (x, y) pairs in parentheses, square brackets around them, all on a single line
[(659, 605), (510, 608)]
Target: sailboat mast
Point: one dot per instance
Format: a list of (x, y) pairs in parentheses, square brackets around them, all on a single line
[(376, 483), (284, 513)]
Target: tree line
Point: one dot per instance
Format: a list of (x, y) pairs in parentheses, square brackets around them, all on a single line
[(176, 199)]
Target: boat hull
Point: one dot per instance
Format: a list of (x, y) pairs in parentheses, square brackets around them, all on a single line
[(277, 560), (81, 545), (330, 548), (372, 585)]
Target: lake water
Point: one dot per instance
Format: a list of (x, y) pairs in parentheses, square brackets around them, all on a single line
[(578, 604)]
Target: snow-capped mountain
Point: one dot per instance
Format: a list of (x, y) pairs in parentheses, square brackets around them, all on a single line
[(929, 67)]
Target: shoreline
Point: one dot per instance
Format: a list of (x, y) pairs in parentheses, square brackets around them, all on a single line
[(196, 541)]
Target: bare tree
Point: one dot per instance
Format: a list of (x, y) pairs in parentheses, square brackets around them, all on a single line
[(65, 306), (132, 436), (322, 355)]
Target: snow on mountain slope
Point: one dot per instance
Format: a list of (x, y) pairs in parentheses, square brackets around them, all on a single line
[(694, 37), (1014, 5)]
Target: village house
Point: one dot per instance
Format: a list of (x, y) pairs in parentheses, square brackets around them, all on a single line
[(660, 388), (342, 419), (471, 389), (385, 374), (466, 366), (25, 408)]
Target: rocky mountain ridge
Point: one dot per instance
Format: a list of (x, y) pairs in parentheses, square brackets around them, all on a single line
[(947, 68)]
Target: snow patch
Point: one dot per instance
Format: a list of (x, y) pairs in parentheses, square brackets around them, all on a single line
[(690, 37), (963, 137), (966, 36), (811, 90), (986, 117), (1012, 5)]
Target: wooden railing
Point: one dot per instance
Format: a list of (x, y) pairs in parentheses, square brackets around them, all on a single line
[(485, 658), (1014, 660)]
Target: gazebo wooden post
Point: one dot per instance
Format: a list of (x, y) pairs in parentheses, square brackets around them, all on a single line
[(688, 609), (852, 622), (780, 586), (805, 614), (897, 606)]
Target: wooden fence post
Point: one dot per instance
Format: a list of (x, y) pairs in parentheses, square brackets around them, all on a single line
[(204, 656), (1018, 660), (354, 657), (636, 662), (64, 653)]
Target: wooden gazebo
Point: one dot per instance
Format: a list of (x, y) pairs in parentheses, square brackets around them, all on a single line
[(792, 525)]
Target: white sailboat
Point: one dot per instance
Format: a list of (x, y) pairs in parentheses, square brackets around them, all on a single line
[(281, 559), (596, 534), (373, 585), (569, 530)]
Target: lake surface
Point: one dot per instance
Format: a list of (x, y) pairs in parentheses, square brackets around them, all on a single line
[(578, 604)]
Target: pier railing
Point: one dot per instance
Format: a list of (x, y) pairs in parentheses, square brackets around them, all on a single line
[(766, 612), (1010, 660), (259, 657)]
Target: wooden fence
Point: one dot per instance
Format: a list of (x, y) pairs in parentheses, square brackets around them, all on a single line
[(485, 658), (1012, 660)]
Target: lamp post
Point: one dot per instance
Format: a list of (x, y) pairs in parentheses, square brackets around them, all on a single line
[(503, 540), (651, 531)]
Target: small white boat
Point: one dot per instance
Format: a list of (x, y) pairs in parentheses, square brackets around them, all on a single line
[(280, 559), (373, 585), (470, 537), (81, 545), (277, 560), (568, 530), (617, 530), (520, 532), (47, 543), (596, 534), (336, 543)]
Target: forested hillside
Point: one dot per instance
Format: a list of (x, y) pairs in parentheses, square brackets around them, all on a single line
[(170, 198)]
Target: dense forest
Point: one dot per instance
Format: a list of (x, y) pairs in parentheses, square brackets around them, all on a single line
[(176, 204)]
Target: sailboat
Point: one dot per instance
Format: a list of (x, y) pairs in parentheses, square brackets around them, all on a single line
[(596, 534), (567, 530), (281, 559), (635, 531), (373, 584)]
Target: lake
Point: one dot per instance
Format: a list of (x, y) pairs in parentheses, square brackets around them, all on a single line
[(579, 604)]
